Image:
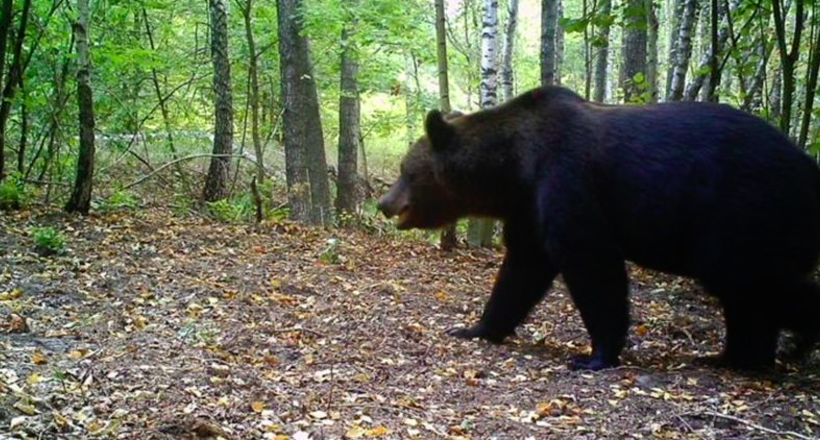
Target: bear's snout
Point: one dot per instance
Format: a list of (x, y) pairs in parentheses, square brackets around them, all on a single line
[(394, 202)]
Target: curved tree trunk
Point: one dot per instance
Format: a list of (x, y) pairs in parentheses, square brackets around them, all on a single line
[(216, 183)]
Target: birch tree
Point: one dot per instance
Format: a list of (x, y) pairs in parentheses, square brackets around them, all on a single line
[(507, 75), (683, 50), (480, 231), (80, 200)]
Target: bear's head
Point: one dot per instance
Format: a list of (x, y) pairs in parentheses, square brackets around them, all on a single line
[(457, 169), (420, 198)]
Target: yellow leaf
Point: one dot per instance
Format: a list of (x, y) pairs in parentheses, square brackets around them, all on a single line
[(377, 431), (76, 355), (26, 408), (641, 330), (39, 358), (94, 426), (8, 296), (258, 407), (34, 379), (355, 432)]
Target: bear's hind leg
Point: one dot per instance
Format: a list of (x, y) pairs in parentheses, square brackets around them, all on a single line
[(600, 291), (751, 334), (800, 308)]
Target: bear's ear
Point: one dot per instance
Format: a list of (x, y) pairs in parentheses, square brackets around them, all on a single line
[(439, 132)]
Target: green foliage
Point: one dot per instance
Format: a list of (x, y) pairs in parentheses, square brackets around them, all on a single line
[(120, 200), (48, 241), (12, 193), (229, 211)]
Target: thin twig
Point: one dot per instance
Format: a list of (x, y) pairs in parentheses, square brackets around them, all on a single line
[(182, 159), (757, 427)]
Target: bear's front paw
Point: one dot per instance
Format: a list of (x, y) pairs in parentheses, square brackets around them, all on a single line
[(592, 363), (476, 331)]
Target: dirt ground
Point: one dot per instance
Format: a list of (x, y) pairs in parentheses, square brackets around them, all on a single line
[(157, 327)]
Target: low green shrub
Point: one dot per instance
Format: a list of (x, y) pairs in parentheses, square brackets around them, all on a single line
[(48, 241)]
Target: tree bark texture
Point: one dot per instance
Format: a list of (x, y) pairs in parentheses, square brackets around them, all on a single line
[(347, 192), (253, 96), (602, 55), (703, 71), (549, 22), (811, 86), (634, 52), (674, 37), (216, 183), (507, 73), (306, 165), (683, 50), (80, 200), (15, 76), (788, 57), (651, 51), (448, 239), (6, 12), (480, 231)]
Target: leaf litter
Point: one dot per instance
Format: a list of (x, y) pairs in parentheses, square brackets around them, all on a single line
[(152, 326)]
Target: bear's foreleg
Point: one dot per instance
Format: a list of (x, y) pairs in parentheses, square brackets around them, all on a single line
[(522, 282)]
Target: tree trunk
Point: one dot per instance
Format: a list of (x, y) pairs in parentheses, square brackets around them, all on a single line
[(549, 21), (683, 50), (652, 51), (714, 70), (306, 166), (216, 183), (21, 150), (448, 239), (6, 11), (559, 42), (507, 74), (15, 76), (480, 231), (634, 52), (253, 96), (602, 57), (347, 193), (703, 71), (788, 57), (753, 89), (674, 38), (80, 200), (776, 98), (163, 105), (811, 85)]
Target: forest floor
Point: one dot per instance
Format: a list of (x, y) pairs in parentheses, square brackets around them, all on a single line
[(157, 327)]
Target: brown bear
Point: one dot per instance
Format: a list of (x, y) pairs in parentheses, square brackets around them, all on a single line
[(693, 189)]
